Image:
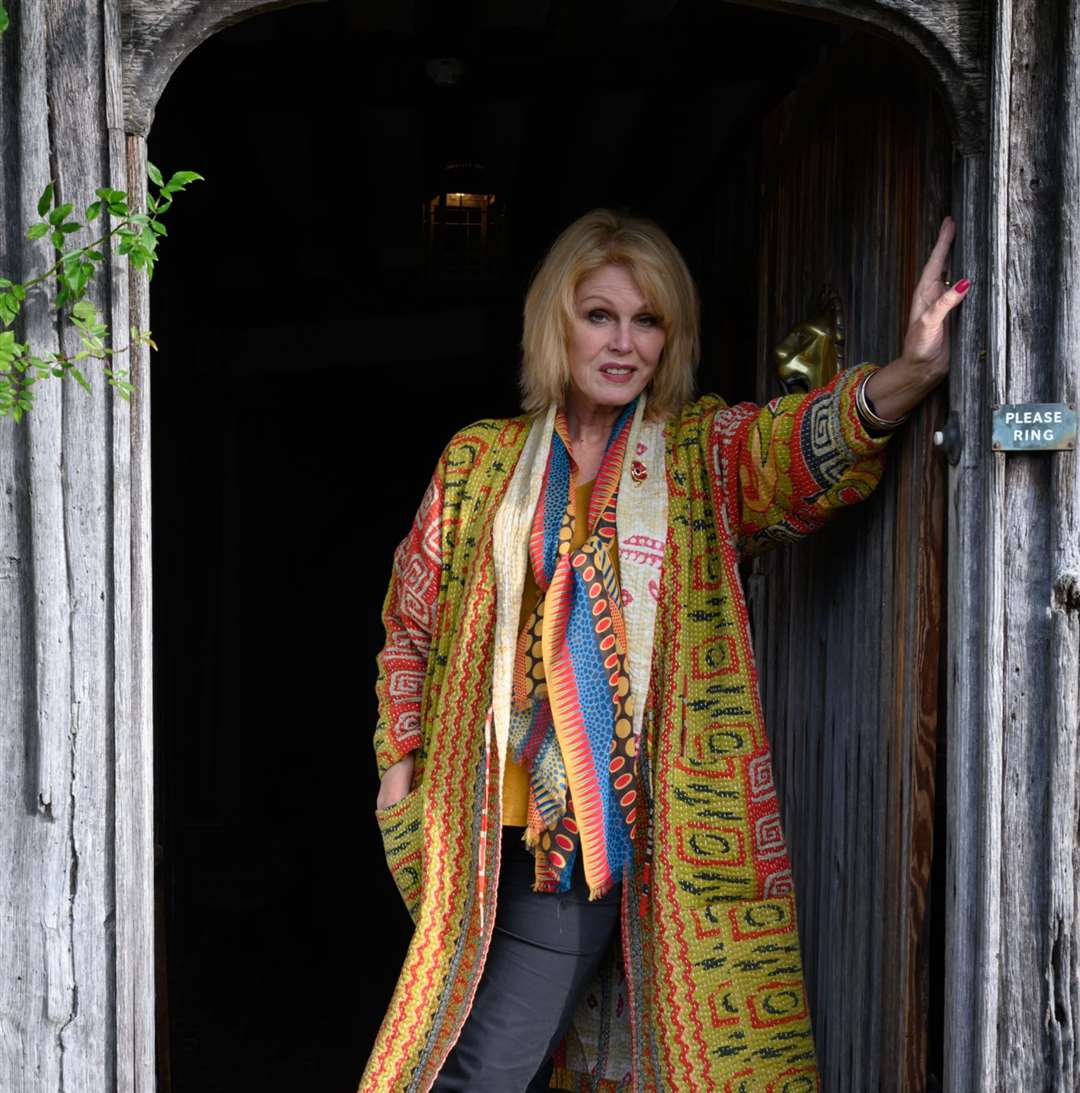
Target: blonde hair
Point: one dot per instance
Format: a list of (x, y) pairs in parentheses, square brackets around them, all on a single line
[(597, 239)]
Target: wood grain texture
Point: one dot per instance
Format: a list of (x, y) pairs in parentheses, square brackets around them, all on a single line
[(66, 599), (1012, 998), (1025, 538), (1063, 758), (1037, 908), (159, 34), (848, 625), (972, 772), (38, 998), (1032, 223), (133, 745), (948, 35), (27, 1036), (77, 125), (134, 750)]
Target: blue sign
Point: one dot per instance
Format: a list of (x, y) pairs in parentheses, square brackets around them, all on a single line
[(1035, 427)]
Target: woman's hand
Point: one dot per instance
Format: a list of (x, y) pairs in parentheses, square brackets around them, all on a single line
[(396, 782), (900, 386)]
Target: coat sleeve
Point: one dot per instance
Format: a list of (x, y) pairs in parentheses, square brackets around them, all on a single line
[(409, 616), (780, 471)]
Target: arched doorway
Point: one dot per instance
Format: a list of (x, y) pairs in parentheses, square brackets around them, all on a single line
[(273, 528)]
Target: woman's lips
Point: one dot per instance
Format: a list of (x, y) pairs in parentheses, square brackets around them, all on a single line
[(618, 373)]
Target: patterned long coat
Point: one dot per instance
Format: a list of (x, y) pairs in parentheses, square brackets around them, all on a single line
[(705, 990)]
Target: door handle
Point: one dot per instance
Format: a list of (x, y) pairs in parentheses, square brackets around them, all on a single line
[(813, 351)]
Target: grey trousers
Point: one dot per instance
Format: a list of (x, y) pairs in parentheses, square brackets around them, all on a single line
[(545, 948)]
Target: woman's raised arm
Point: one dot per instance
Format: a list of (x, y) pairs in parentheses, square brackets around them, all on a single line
[(899, 387), (783, 469)]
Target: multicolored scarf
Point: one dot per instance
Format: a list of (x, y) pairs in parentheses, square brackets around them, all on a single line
[(572, 717)]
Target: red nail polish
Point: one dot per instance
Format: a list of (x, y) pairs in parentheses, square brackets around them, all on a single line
[(962, 286)]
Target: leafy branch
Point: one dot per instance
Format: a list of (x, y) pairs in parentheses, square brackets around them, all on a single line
[(137, 235)]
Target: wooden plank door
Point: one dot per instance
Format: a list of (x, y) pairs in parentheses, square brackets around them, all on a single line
[(855, 166)]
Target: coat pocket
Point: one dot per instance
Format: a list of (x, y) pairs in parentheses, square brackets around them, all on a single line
[(401, 826), (723, 837), (750, 978)]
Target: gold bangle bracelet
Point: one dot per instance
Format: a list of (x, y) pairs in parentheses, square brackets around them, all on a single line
[(862, 405)]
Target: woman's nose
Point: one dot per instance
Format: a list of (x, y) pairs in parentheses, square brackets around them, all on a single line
[(620, 338)]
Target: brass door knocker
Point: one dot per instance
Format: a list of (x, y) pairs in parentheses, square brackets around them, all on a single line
[(813, 351)]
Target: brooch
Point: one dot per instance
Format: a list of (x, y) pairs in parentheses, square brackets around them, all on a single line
[(638, 471)]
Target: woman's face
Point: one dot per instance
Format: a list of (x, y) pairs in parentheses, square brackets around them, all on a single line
[(615, 340)]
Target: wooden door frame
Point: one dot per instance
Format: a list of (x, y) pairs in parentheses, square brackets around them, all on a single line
[(157, 35)]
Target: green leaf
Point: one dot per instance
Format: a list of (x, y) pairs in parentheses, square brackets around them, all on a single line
[(9, 308), (80, 379), (83, 310), (181, 178), (5, 21), (153, 174), (118, 208), (95, 255), (45, 200), (57, 238), (17, 291), (93, 211), (37, 231), (179, 181), (60, 214), (158, 228), (70, 227)]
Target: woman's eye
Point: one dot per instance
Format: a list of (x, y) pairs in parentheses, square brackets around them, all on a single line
[(597, 316), (648, 320)]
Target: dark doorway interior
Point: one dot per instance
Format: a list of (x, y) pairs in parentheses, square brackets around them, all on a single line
[(324, 328)]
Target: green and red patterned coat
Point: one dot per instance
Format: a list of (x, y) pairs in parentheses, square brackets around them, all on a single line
[(705, 991)]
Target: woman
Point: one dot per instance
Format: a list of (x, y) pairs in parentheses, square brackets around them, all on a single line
[(573, 759)]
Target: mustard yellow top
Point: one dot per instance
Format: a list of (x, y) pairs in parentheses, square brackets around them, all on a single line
[(516, 778)]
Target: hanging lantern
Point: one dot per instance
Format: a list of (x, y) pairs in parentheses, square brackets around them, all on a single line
[(459, 220)]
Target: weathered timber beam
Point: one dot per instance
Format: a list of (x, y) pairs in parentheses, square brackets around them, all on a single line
[(159, 34), (1012, 1004), (949, 35)]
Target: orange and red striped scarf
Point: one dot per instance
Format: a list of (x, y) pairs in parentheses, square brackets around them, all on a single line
[(572, 720)]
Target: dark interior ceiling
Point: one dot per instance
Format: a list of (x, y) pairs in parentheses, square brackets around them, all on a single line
[(314, 361), (340, 135)]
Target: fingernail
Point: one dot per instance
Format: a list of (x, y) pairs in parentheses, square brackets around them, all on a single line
[(962, 286)]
